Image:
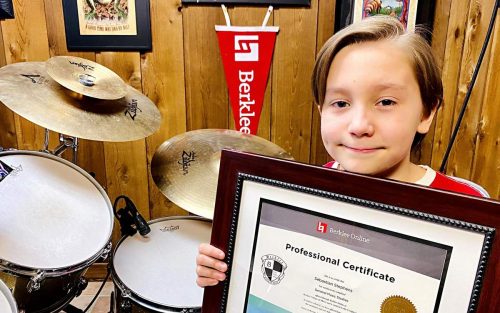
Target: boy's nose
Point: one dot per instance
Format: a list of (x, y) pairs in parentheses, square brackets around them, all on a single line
[(361, 123)]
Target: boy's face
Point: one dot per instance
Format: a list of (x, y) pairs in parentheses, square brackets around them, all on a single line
[(372, 110)]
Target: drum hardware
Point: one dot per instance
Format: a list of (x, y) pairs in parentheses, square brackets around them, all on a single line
[(128, 216), (106, 251), (126, 304), (34, 282), (185, 168), (72, 309), (65, 142)]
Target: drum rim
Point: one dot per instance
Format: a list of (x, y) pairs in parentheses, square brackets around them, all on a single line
[(17, 269), (8, 294), (124, 288)]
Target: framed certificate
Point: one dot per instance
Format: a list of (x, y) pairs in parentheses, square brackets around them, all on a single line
[(301, 238)]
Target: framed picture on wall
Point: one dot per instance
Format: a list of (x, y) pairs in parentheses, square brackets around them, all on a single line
[(251, 2), (409, 12), (302, 238), (107, 25), (6, 9)]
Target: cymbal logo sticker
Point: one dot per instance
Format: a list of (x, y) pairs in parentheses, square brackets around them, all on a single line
[(35, 78), (132, 109), (83, 66), (186, 160)]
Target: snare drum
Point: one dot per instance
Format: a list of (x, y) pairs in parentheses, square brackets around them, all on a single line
[(56, 221), (157, 273), (7, 302)]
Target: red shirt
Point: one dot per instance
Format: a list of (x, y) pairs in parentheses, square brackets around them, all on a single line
[(440, 181)]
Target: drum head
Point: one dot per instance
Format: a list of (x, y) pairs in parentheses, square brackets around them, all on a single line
[(53, 214), (7, 302), (162, 267)]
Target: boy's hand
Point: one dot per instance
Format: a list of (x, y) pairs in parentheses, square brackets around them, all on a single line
[(210, 269)]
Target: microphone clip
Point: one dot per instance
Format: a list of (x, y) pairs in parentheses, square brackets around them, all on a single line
[(128, 217)]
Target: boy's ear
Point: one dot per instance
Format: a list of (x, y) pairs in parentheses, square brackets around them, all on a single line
[(426, 122)]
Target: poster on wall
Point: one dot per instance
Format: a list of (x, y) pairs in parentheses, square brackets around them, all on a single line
[(107, 25), (107, 17), (408, 12)]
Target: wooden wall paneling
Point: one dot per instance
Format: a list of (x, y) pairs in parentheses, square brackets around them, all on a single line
[(461, 157), (206, 92), (163, 82), (25, 39), (126, 162), (292, 67), (254, 16), (326, 20), (8, 137), (486, 167), (451, 73), (423, 154), (90, 153)]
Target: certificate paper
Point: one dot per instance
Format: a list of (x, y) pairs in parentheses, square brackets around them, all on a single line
[(351, 267), (362, 258)]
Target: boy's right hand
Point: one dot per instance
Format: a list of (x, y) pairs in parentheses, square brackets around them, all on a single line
[(210, 269)]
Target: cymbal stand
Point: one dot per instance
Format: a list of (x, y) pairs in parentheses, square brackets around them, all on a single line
[(65, 142)]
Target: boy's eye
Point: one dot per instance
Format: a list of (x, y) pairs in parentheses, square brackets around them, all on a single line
[(340, 104), (387, 102)]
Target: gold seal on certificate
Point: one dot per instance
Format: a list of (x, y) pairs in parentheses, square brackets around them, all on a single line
[(397, 304)]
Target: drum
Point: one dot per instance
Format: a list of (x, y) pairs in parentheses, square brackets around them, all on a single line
[(7, 302), (157, 273), (56, 221)]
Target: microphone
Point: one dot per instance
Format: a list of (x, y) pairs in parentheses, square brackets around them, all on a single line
[(141, 225), (128, 216)]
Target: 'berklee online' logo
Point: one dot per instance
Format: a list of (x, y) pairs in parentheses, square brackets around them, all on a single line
[(246, 48), (322, 227)]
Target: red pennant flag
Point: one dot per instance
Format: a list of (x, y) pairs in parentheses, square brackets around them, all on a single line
[(246, 54)]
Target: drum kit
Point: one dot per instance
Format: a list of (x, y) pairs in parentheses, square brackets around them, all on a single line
[(56, 220)]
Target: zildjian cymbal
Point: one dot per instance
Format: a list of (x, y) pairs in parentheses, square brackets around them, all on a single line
[(86, 77), (26, 89), (186, 167)]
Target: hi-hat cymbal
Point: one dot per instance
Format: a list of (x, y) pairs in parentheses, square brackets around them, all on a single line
[(86, 77), (26, 89), (186, 167)]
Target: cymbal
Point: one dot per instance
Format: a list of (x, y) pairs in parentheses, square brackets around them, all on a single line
[(186, 167), (29, 91), (86, 77)]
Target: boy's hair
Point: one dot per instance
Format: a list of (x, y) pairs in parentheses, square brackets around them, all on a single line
[(383, 27)]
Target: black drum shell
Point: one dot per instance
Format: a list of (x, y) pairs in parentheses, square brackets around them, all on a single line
[(53, 295)]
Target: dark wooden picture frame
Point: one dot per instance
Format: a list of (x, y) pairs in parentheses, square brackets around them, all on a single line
[(344, 13), (6, 9), (77, 42), (422, 204), (306, 3)]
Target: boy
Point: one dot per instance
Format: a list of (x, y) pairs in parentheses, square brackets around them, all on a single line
[(377, 88)]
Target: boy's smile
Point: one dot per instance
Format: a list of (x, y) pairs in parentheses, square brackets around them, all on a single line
[(372, 110)]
